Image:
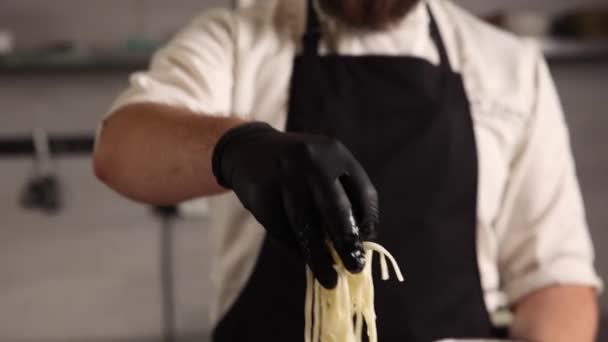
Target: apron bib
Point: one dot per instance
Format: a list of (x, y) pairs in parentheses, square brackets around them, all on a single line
[(408, 122)]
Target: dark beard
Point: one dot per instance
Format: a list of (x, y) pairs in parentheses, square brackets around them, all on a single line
[(370, 14)]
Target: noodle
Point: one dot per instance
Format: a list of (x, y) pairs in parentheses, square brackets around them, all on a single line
[(337, 315)]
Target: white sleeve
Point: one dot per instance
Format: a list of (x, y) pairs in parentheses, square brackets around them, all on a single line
[(543, 234), (194, 70)]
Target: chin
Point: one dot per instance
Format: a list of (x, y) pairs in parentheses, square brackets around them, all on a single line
[(369, 14)]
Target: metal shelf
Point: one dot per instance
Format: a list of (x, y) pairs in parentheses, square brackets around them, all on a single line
[(556, 50), (59, 145), (18, 63), (573, 50)]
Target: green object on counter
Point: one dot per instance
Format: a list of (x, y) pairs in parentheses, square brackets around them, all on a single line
[(142, 45), (74, 60), (64, 55)]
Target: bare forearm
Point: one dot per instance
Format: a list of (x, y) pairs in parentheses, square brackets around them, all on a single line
[(555, 314), (159, 154)]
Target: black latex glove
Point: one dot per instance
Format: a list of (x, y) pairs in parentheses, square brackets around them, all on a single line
[(304, 189)]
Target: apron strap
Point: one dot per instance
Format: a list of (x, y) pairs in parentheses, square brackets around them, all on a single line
[(312, 37), (313, 34), (444, 60)]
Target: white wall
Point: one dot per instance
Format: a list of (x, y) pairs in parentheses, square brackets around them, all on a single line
[(90, 273)]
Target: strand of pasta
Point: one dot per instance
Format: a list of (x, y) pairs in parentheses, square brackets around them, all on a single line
[(338, 315)]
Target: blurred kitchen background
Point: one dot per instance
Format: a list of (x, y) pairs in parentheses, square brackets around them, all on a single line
[(94, 266)]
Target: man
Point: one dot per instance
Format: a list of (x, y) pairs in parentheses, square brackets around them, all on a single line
[(409, 122)]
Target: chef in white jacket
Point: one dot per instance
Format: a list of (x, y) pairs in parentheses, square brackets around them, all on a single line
[(440, 135)]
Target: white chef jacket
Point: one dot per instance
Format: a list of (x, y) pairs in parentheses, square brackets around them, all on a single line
[(531, 224)]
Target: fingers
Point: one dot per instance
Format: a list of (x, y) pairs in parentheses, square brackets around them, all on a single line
[(357, 185), (267, 207), (318, 190), (304, 221), (334, 205), (364, 199), (320, 259)]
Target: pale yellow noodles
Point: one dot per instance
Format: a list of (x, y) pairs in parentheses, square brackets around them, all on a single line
[(337, 315)]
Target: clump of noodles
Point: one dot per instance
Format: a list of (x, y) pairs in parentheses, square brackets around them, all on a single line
[(338, 315)]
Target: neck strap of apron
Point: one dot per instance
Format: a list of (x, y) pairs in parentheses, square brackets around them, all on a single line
[(313, 34)]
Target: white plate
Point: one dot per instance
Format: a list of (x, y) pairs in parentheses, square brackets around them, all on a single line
[(474, 340)]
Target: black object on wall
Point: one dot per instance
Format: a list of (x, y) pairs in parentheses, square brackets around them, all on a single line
[(59, 145)]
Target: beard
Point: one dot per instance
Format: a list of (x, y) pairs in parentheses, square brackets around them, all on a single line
[(368, 14)]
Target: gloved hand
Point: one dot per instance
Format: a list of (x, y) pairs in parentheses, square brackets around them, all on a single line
[(304, 189)]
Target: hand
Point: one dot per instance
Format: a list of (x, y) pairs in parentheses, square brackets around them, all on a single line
[(305, 190)]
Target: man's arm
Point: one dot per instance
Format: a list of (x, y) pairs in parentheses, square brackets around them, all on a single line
[(159, 154), (557, 313), (545, 253)]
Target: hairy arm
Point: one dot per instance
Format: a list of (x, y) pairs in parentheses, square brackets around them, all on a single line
[(556, 314), (159, 154)]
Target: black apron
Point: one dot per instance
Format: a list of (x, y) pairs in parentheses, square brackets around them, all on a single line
[(409, 124)]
